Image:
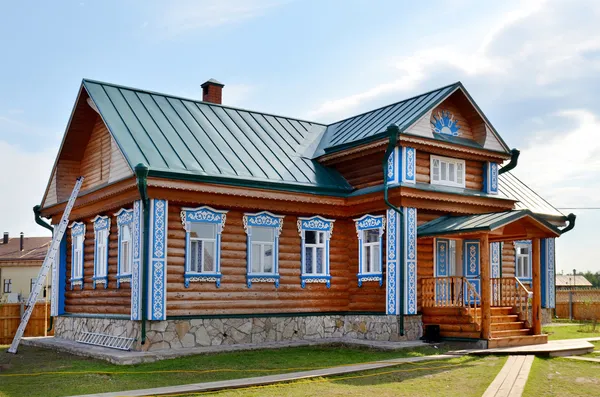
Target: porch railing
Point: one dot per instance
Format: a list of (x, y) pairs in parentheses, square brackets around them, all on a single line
[(512, 292), (451, 292)]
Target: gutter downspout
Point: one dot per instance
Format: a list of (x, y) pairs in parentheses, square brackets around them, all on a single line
[(393, 133), (141, 172), (571, 219), (514, 159), (38, 219)]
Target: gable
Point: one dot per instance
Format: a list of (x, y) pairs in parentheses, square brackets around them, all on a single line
[(88, 150), (457, 120)]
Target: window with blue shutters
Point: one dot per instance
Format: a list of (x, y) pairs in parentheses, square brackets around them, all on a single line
[(370, 229), (203, 227), (315, 233)]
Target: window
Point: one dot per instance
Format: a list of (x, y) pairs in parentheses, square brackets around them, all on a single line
[(523, 260), (125, 251), (32, 284), (370, 229), (203, 228), (7, 285), (77, 239), (447, 171), (101, 231), (263, 231), (315, 233)]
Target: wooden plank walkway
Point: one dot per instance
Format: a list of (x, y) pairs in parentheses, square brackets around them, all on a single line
[(511, 380), (554, 348), (269, 379)]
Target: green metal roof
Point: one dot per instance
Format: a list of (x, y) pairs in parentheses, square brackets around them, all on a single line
[(179, 137), (371, 125), (511, 187), (477, 223)]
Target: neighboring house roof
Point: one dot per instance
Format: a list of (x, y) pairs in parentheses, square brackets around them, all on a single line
[(182, 137), (572, 281), (511, 187), (34, 249), (475, 223)]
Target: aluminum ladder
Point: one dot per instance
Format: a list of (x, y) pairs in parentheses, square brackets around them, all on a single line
[(59, 232)]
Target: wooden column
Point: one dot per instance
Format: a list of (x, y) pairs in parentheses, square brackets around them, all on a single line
[(486, 291), (537, 287)]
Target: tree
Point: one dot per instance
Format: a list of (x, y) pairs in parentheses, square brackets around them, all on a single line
[(593, 278)]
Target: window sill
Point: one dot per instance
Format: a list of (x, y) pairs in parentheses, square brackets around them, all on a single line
[(76, 281), (202, 278), (123, 278), (262, 278), (362, 277), (100, 280), (315, 278)]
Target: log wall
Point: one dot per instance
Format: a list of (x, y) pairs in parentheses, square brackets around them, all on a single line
[(111, 300), (234, 297)]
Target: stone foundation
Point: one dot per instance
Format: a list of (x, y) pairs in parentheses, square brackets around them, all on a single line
[(547, 316), (182, 334)]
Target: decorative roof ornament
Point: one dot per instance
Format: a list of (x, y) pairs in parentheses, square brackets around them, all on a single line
[(444, 123)]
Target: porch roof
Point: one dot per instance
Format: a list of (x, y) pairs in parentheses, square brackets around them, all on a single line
[(490, 222)]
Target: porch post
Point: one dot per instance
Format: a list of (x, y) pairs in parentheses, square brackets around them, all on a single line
[(486, 293), (537, 287)]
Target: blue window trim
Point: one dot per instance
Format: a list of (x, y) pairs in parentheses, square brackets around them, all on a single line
[(77, 229), (124, 217), (368, 222), (210, 215), (526, 243), (100, 223), (262, 219), (320, 224), (490, 178), (401, 165)]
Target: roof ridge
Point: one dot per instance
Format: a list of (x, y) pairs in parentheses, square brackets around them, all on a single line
[(198, 101), (456, 83)]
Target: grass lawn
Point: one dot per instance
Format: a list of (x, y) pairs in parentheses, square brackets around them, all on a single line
[(460, 377), (581, 330), (62, 374), (563, 377)]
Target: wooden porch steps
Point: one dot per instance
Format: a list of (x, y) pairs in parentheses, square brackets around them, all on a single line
[(507, 329)]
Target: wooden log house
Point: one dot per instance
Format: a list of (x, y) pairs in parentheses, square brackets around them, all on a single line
[(201, 224)]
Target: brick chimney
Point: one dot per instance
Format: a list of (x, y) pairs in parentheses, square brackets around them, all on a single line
[(5, 238), (212, 91), (22, 242)]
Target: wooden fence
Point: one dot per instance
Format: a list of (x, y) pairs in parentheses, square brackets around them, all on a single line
[(10, 318), (586, 304)]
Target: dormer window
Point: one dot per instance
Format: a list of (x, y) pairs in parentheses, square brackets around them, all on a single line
[(447, 171)]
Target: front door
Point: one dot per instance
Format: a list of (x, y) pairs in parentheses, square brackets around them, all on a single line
[(471, 267), (445, 267)]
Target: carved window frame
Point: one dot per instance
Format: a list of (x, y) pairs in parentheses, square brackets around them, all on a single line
[(101, 233), (207, 215), (263, 219), (365, 223), (124, 219), (318, 225), (77, 230)]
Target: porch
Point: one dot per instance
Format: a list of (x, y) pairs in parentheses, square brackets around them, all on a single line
[(477, 302)]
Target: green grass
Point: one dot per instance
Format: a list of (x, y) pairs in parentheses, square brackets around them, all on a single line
[(563, 377), (581, 330), (457, 377), (103, 376)]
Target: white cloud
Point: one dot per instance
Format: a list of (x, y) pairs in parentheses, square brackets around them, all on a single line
[(237, 94), (24, 176), (184, 16), (528, 48)]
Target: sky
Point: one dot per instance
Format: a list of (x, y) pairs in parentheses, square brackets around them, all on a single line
[(533, 67)]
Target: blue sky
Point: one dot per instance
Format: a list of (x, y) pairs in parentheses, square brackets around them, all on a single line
[(532, 66)]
